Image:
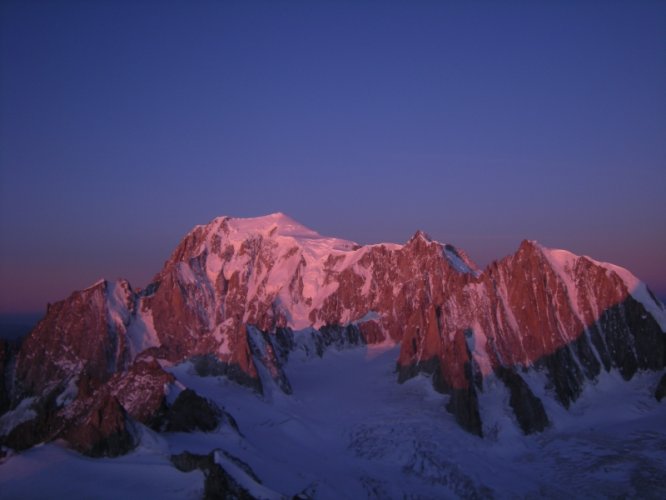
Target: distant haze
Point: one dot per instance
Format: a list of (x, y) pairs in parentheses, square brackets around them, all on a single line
[(124, 124)]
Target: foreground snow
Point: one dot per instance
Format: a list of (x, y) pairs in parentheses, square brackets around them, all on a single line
[(350, 431)]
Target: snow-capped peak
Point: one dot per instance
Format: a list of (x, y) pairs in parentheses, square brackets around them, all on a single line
[(274, 224)]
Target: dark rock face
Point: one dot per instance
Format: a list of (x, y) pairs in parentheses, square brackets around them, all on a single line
[(464, 405), (564, 375), (218, 484), (102, 430), (528, 408), (340, 336), (191, 412), (208, 365), (660, 392)]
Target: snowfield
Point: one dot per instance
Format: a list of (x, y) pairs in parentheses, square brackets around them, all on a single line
[(351, 431)]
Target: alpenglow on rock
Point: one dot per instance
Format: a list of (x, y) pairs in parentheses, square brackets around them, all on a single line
[(238, 295)]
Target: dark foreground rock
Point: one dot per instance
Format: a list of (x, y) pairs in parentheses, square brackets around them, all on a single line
[(218, 483), (106, 430), (101, 421), (191, 412), (43, 425)]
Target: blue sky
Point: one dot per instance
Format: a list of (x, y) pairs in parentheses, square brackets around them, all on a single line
[(123, 124)]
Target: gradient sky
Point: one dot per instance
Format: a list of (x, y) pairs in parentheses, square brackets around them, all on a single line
[(123, 124)]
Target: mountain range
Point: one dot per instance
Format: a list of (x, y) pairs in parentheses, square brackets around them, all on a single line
[(240, 299)]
